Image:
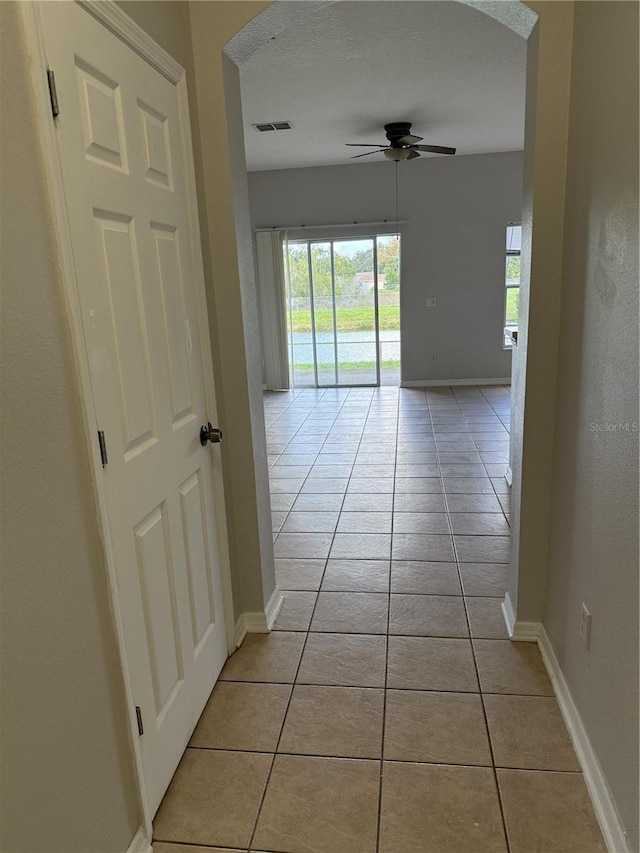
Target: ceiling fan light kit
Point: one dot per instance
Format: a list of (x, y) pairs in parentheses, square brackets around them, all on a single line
[(403, 145), (396, 154)]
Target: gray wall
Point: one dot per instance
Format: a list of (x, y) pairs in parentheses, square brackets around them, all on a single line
[(455, 211), (594, 527)]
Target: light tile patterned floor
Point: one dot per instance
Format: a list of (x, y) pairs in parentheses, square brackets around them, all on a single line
[(387, 711)]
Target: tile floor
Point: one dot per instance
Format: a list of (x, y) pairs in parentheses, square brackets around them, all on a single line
[(387, 711)]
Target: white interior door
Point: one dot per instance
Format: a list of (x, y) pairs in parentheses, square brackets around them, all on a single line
[(124, 172)]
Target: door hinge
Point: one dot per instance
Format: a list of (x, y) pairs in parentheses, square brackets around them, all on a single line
[(53, 94), (103, 448), (139, 719)]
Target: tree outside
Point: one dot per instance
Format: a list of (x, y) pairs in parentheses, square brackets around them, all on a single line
[(348, 328), (353, 287), (512, 311)]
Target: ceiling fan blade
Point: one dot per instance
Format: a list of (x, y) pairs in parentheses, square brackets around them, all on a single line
[(365, 145), (434, 149), (409, 139), (366, 154), (413, 154)]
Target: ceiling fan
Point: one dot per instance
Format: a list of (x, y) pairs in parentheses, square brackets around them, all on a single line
[(402, 144)]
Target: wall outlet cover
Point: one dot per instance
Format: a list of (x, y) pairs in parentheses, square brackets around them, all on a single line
[(431, 301)]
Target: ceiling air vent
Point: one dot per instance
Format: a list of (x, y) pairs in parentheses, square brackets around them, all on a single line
[(273, 125)]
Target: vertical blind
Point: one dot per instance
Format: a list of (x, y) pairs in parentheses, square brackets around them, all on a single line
[(272, 285)]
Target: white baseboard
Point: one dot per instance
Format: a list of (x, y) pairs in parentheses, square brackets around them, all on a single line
[(525, 632), (239, 632), (435, 383), (508, 475), (508, 614), (603, 804), (273, 608), (258, 622), (140, 843), (519, 632)]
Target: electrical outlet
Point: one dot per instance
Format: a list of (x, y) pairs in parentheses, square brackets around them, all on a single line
[(434, 356), (585, 626), (431, 301)]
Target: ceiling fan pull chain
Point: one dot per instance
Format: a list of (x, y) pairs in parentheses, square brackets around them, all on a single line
[(397, 207)]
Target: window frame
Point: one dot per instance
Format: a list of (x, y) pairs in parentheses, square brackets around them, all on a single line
[(316, 235), (507, 343)]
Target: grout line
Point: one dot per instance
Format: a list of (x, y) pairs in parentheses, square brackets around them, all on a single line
[(490, 742), (382, 634), (454, 546), (484, 711), (377, 687), (386, 656), (451, 564), (439, 447), (304, 645), (388, 760), (289, 511), (363, 428), (293, 684), (189, 844), (446, 499)]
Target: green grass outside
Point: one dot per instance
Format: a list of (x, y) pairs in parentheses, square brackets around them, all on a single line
[(349, 319), (513, 305), (350, 365), (361, 319)]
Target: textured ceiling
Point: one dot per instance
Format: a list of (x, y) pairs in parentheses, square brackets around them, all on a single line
[(339, 74)]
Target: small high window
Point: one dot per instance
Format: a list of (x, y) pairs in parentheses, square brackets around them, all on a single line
[(512, 281)]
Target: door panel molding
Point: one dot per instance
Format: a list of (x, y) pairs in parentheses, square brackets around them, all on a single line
[(107, 13)]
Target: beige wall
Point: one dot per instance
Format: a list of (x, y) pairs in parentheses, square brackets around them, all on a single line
[(231, 292), (535, 357), (594, 528), (67, 755), (549, 89), (67, 775), (230, 296)]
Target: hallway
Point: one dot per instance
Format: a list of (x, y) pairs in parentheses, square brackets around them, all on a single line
[(389, 658)]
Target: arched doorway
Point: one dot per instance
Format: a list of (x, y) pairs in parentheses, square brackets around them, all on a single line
[(547, 28)]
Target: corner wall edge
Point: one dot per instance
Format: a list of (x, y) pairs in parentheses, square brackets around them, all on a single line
[(258, 622)]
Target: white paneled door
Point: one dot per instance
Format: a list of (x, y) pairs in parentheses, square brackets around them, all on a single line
[(125, 167)]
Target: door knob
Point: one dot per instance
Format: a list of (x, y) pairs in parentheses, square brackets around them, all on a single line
[(210, 433)]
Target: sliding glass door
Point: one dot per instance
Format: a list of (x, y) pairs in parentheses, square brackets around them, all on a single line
[(323, 313), (334, 294)]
